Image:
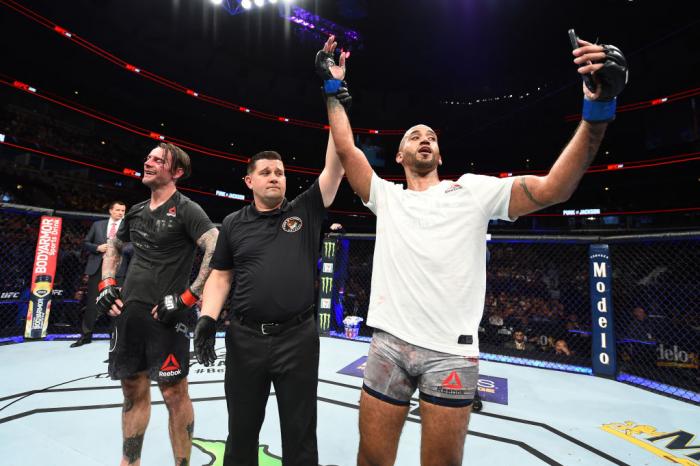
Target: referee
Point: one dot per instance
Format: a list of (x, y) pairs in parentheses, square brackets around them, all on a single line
[(268, 250)]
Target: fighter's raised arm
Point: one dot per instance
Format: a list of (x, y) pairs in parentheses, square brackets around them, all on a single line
[(609, 69), (357, 168)]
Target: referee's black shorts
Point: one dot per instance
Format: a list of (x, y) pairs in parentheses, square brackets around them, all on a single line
[(140, 343)]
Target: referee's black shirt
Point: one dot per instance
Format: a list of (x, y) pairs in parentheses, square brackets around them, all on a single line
[(273, 256)]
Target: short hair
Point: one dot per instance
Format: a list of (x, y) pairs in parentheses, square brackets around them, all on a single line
[(264, 155), (178, 159), (409, 131), (113, 203)]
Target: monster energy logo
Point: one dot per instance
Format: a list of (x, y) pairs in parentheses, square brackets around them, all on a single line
[(328, 248), (326, 284), (324, 321)]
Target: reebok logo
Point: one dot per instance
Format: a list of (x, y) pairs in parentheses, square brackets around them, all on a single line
[(170, 367), (451, 385), (452, 381), (453, 187)]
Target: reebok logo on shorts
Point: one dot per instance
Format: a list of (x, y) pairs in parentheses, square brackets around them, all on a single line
[(170, 367), (452, 385), (452, 381)]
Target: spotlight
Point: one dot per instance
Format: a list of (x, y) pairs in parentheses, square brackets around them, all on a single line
[(246, 4), (259, 2), (217, 2)]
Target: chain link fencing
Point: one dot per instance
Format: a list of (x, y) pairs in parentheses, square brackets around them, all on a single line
[(19, 228), (656, 295), (18, 237), (537, 306)]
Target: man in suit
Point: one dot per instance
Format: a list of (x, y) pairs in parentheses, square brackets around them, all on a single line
[(95, 243)]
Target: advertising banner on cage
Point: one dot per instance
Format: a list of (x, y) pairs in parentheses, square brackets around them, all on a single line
[(325, 292), (43, 273), (604, 359)]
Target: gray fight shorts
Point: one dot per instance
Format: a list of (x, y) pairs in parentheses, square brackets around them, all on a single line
[(396, 368)]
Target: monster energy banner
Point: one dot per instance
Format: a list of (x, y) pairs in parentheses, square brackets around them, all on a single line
[(42, 277), (325, 292)]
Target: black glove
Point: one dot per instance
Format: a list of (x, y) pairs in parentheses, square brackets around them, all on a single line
[(109, 293), (324, 62), (331, 87), (204, 340), (613, 75), (174, 308), (612, 78)]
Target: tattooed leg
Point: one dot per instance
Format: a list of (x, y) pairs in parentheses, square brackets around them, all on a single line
[(181, 419), (136, 413), (131, 450)]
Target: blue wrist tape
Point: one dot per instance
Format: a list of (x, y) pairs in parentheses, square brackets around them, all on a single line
[(331, 86), (598, 112)]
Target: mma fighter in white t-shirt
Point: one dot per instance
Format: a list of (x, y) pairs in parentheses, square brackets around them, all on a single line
[(428, 277)]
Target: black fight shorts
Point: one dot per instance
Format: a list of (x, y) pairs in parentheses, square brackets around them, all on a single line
[(140, 343)]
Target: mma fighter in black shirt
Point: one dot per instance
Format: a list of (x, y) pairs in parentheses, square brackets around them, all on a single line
[(150, 340)]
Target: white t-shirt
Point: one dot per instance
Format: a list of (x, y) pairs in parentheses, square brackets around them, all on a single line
[(429, 271)]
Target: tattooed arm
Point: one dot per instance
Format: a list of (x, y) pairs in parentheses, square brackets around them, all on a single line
[(170, 309), (206, 242), (532, 193), (109, 299), (112, 258)]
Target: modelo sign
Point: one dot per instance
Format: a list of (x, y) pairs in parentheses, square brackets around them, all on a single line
[(603, 348)]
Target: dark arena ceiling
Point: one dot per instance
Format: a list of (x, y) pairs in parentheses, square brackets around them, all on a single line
[(494, 77)]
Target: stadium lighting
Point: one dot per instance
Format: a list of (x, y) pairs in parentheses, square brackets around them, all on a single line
[(246, 4), (259, 2), (217, 2)]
